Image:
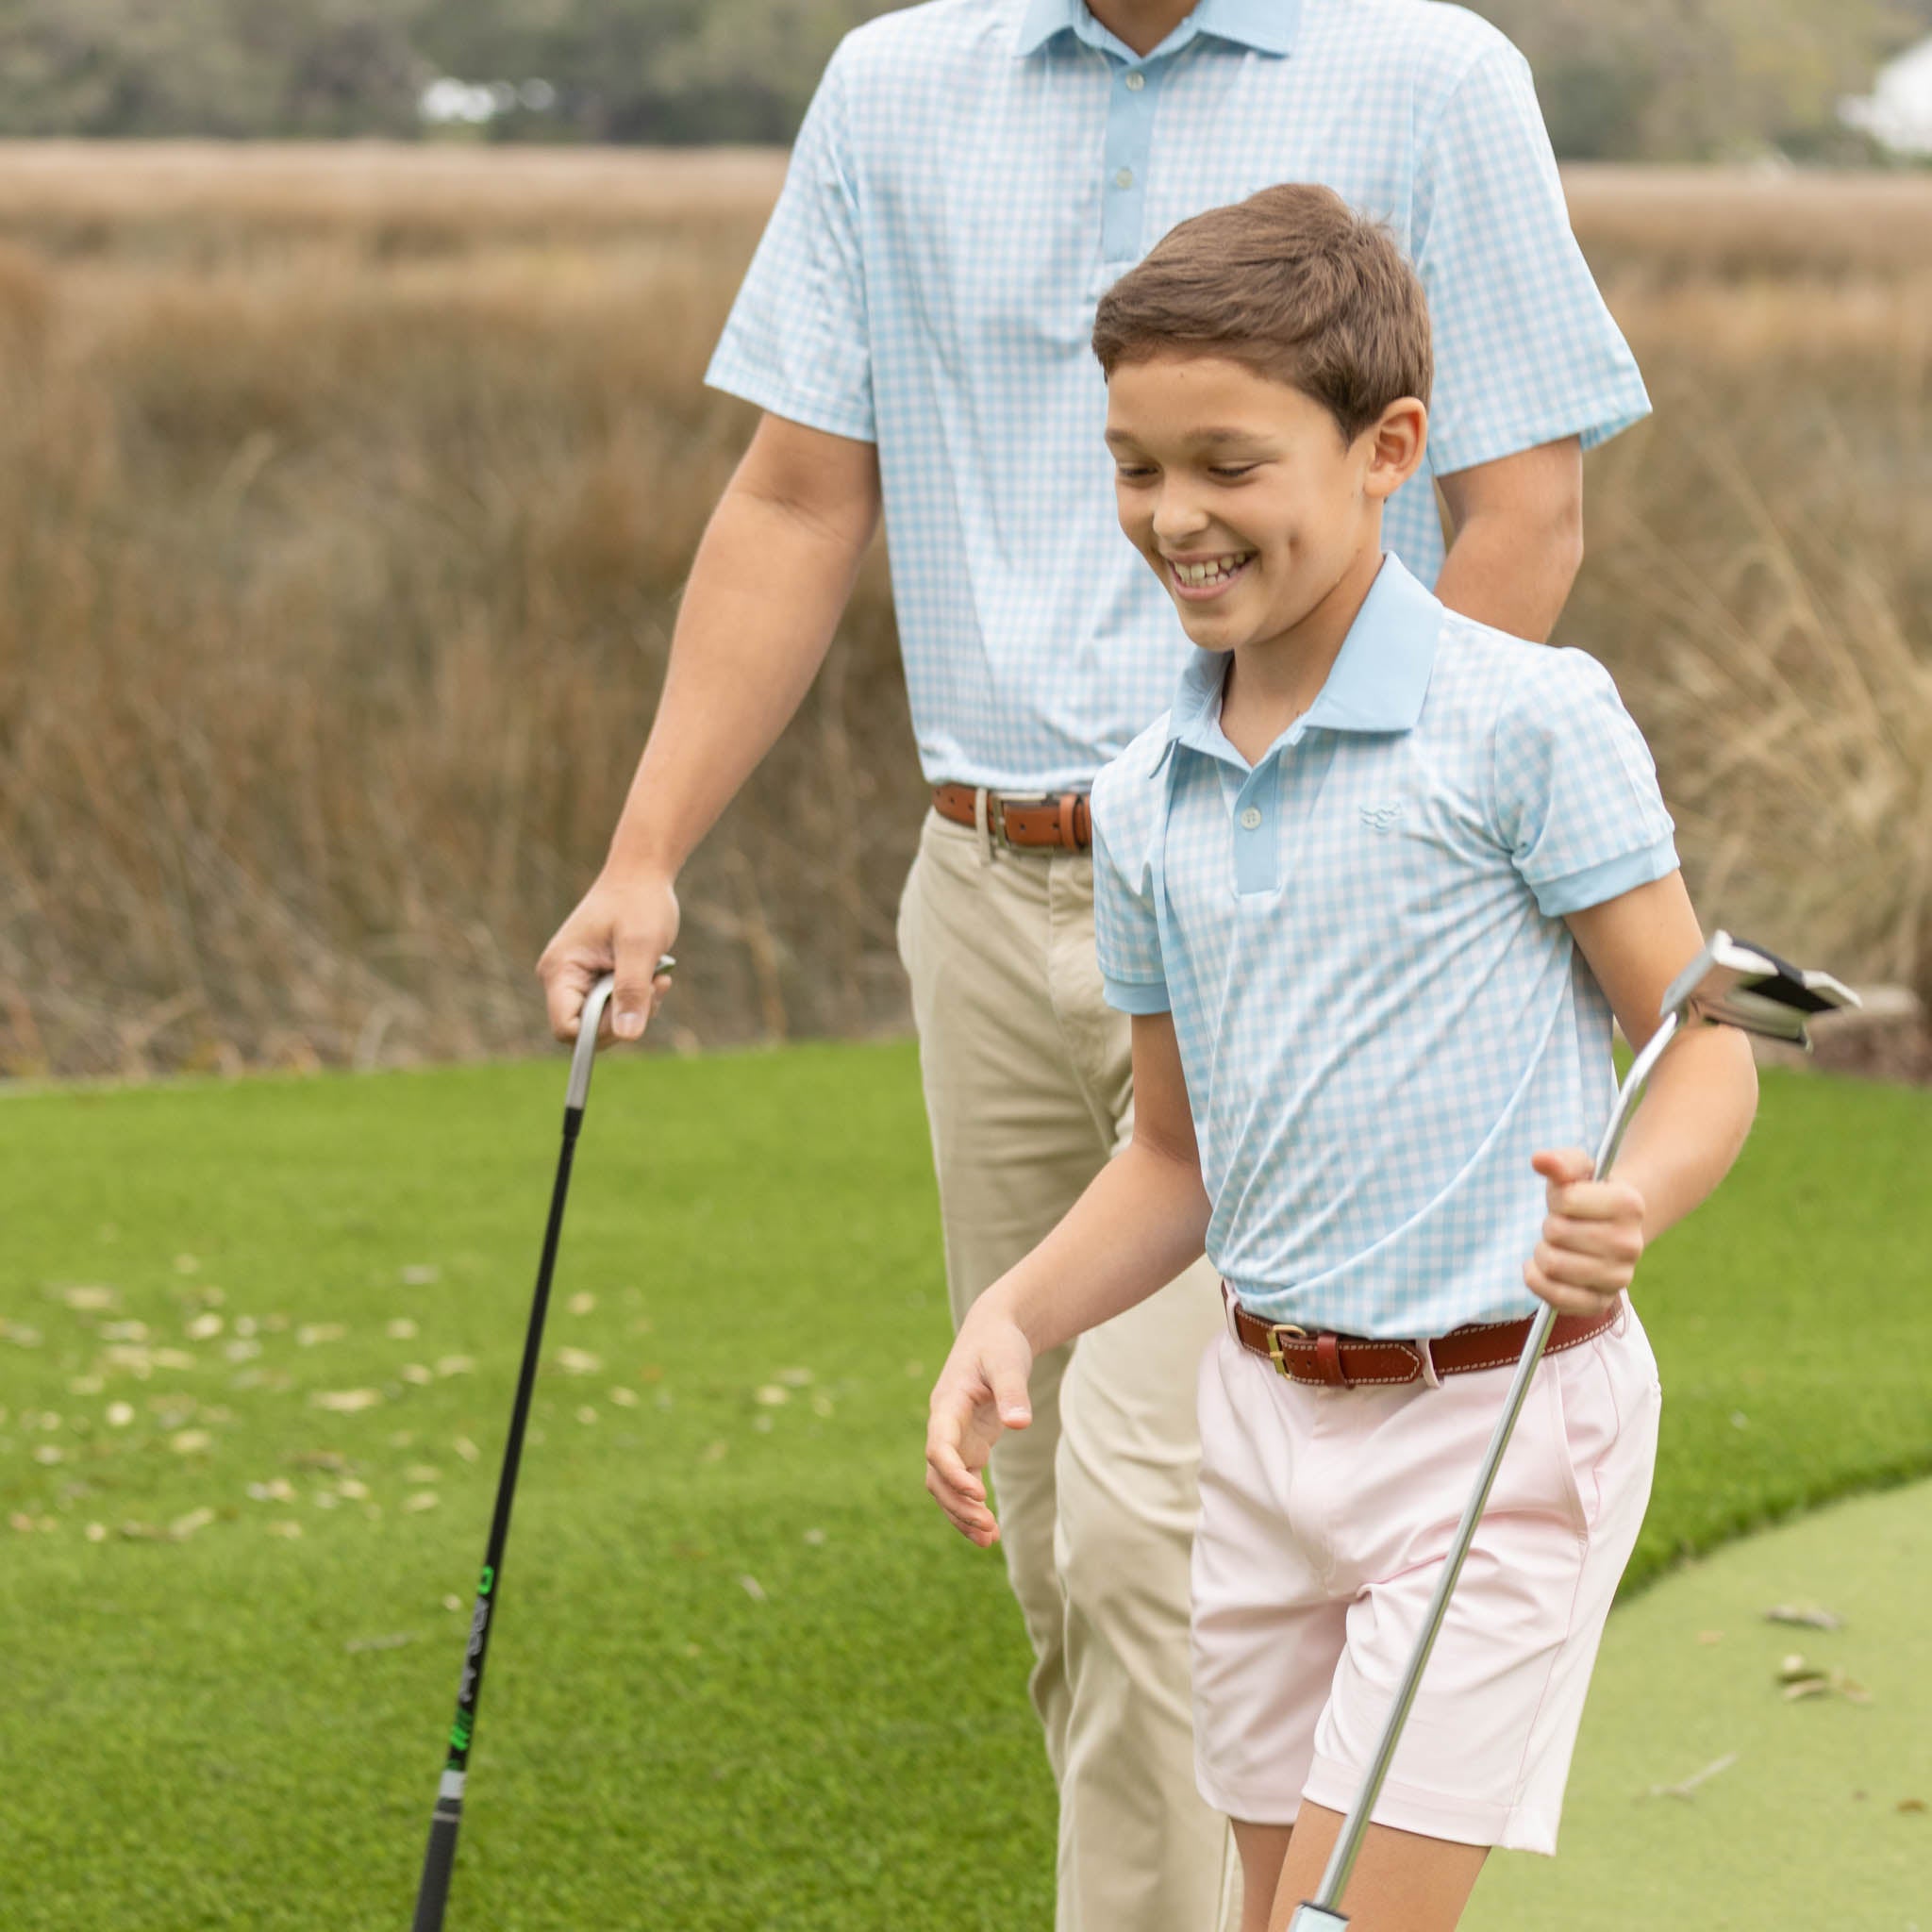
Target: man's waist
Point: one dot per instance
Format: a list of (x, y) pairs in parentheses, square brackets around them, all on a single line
[(1058, 821)]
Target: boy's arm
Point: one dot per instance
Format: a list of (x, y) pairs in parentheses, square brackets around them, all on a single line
[(1143, 1219), (1689, 1130)]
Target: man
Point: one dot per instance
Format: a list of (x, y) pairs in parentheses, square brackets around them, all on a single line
[(971, 177)]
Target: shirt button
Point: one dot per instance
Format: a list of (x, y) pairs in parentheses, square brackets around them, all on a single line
[(1134, 82), (1123, 178), (1250, 818)]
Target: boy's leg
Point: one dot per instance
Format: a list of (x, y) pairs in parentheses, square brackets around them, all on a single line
[(1401, 1883), (1263, 1850), (1027, 1076)]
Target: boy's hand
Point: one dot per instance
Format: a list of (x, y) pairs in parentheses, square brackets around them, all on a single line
[(980, 1393), (1592, 1237)]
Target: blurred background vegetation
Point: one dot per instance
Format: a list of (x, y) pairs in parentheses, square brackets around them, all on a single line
[(1643, 79)]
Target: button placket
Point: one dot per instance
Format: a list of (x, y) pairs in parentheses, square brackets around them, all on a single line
[(1258, 830), (1129, 137)]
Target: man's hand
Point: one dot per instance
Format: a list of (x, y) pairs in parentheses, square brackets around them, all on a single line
[(981, 1391), (623, 925), (1592, 1238)]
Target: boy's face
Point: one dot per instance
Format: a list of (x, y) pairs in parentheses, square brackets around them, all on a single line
[(1242, 493)]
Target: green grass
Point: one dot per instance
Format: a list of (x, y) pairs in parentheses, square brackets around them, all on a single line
[(1808, 1813), (193, 1742)]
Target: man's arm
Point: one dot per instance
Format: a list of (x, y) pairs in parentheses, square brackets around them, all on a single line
[(1518, 538), (765, 593), (1140, 1223)]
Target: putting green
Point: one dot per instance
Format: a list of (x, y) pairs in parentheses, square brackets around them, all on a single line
[(1819, 1813)]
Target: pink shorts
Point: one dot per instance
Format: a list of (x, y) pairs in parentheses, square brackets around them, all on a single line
[(1325, 1515)]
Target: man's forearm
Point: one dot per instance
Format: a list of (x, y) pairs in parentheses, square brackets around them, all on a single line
[(758, 612), (1141, 1221)]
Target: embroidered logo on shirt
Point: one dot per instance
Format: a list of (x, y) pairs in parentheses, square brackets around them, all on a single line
[(1381, 818)]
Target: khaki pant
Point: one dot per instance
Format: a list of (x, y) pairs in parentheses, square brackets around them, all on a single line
[(1028, 1090)]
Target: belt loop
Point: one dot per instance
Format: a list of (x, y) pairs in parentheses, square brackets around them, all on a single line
[(1227, 1308), (1430, 1377), (1069, 823), (982, 822)]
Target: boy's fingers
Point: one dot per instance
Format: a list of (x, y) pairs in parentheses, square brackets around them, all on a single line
[(1565, 1299), (1600, 1274), (1619, 1240)]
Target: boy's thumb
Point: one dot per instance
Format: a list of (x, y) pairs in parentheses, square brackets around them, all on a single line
[(1563, 1165), (1009, 1393)]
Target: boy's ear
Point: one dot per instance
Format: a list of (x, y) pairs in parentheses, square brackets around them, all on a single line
[(1396, 444)]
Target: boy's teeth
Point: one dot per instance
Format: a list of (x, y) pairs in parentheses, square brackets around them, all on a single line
[(1212, 571)]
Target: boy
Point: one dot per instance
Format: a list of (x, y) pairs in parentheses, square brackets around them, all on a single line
[(1371, 890)]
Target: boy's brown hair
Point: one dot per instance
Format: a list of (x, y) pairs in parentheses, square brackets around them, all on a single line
[(1292, 282)]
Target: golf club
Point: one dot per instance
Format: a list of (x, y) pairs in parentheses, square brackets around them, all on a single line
[(1730, 983), (433, 1893)]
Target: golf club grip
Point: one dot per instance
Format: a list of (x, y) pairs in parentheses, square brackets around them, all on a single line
[(437, 1862)]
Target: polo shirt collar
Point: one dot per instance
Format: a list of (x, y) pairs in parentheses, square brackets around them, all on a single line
[(1269, 26), (1377, 682)]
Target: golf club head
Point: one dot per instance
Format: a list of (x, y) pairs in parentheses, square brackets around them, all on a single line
[(1734, 983)]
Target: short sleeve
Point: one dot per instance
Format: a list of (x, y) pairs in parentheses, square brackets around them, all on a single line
[(1125, 929), (1577, 802), (796, 341), (1526, 351)]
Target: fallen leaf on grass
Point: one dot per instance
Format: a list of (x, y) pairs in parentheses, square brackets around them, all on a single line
[(586, 1415), (624, 1398), (86, 1385), (279, 1490), (815, 1537), (1808, 1616), (20, 1335), (466, 1449), (423, 1499), (22, 1522), (321, 1458), (393, 1642), (1801, 1679), (184, 1527), (204, 1328), (355, 1492), (417, 1473), (402, 1329), (173, 1358), (773, 1395), (796, 1378), (1688, 1789), (1911, 1805), (422, 1273), (191, 1441), (455, 1365), (753, 1589), (452, 1602), (98, 1532), (49, 1454), (417, 1376), (90, 1298), (583, 1303), (344, 1401), (290, 1531), (578, 1361), (312, 1333)]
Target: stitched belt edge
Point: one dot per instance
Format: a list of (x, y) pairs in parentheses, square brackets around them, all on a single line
[(1351, 1361), (1064, 822)]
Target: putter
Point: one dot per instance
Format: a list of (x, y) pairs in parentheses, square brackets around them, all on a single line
[(1730, 983), (433, 1893)]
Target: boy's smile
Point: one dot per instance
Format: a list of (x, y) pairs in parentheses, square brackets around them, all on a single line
[(1260, 518)]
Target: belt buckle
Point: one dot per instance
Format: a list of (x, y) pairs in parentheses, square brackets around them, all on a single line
[(1277, 1331)]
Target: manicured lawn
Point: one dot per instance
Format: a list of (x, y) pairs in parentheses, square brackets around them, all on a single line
[(742, 1676)]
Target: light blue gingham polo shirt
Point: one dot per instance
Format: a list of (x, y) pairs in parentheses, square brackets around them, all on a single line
[(1380, 1010), (971, 177)]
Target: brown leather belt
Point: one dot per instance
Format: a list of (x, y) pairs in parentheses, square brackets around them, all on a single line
[(1063, 823), (1356, 1361)]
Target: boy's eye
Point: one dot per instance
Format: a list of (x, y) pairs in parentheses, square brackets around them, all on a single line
[(1133, 473), (1231, 473)]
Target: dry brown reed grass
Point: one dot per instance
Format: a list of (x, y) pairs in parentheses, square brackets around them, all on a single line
[(346, 497)]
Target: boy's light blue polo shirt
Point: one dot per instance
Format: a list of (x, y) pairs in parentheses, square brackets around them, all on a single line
[(973, 175), (1380, 1010)]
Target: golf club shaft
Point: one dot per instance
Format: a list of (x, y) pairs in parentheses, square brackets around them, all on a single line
[(1325, 1907), (439, 1858)]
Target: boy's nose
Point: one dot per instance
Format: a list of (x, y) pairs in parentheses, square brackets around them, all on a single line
[(1177, 515)]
